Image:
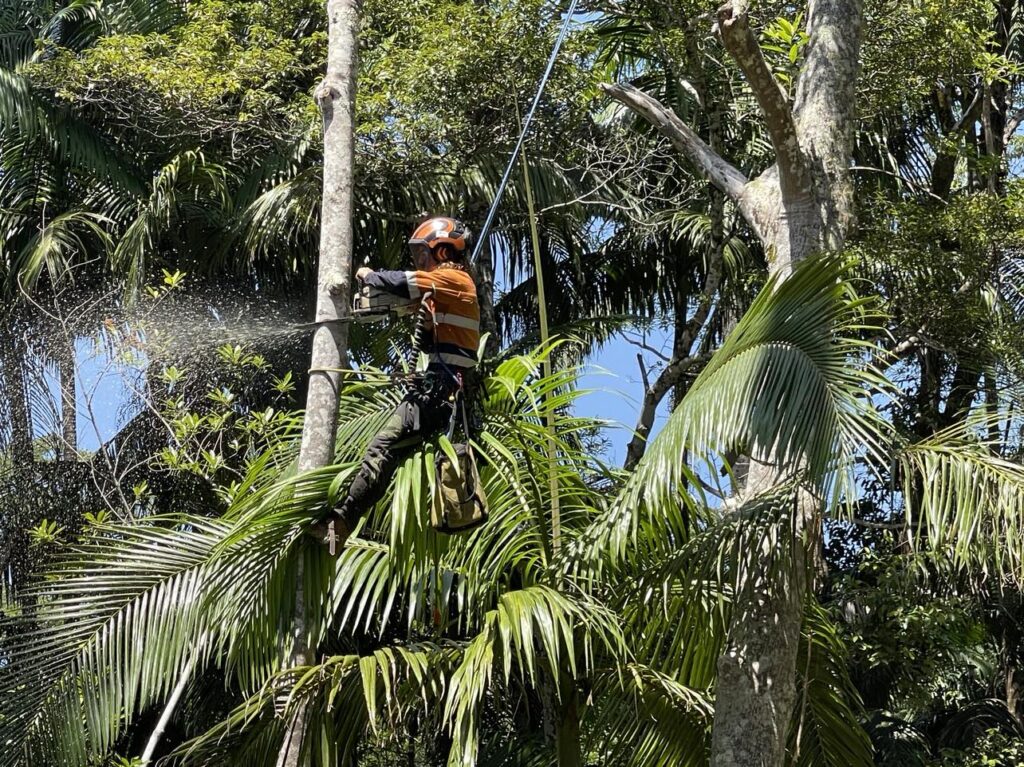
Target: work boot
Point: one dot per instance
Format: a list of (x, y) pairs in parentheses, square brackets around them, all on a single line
[(332, 530)]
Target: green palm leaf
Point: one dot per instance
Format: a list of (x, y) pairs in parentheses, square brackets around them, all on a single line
[(187, 184), (786, 383), (120, 618), (532, 631), (827, 730), (82, 666), (964, 501), (18, 109), (647, 717), (55, 245), (346, 697)]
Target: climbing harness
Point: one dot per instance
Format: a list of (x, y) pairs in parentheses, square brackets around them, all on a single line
[(485, 230)]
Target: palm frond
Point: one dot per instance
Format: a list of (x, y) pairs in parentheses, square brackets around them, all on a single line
[(786, 386), (141, 17), (188, 178), (827, 730), (283, 217), (18, 108), (647, 717), (531, 632), (80, 669), (346, 696), (535, 630), (184, 585), (55, 245), (965, 502)]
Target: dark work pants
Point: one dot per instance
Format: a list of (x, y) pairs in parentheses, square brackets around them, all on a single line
[(425, 410)]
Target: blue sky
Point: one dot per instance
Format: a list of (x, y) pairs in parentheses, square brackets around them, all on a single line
[(613, 376), (104, 393)]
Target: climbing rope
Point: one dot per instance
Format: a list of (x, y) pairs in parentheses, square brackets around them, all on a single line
[(482, 238)]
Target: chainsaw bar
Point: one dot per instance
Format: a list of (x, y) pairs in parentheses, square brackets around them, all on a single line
[(358, 318)]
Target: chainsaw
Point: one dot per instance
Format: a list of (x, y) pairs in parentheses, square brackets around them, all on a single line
[(370, 304)]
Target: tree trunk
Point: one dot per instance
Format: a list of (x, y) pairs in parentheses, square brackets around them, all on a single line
[(801, 205), (567, 727), (336, 97), (756, 692), (483, 275), (68, 400), (12, 356), (1015, 693), (997, 101), (755, 695)]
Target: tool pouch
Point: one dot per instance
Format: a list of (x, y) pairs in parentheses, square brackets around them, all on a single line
[(458, 502)]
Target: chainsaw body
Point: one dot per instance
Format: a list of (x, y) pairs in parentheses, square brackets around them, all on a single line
[(370, 304)]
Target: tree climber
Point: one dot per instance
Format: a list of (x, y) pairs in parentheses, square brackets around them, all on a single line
[(448, 332)]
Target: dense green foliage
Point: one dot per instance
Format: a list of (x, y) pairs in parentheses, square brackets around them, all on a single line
[(161, 158)]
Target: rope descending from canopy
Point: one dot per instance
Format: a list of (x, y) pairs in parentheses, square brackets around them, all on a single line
[(485, 230)]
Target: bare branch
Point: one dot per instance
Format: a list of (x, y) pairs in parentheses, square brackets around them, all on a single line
[(643, 371), (646, 347), (917, 339), (733, 25), (1012, 124), (970, 115), (669, 377), (905, 181), (682, 361), (721, 173)]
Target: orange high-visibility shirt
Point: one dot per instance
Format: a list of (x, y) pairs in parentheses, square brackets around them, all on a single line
[(455, 314)]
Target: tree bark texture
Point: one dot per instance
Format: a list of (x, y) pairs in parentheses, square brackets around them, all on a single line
[(68, 400), (336, 97), (801, 205), (11, 356), (756, 690)]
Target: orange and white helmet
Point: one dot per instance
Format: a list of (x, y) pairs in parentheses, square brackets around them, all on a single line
[(441, 231)]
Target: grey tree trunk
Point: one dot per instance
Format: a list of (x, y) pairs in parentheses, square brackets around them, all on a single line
[(801, 205), (756, 691), (68, 400), (11, 358), (336, 97)]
